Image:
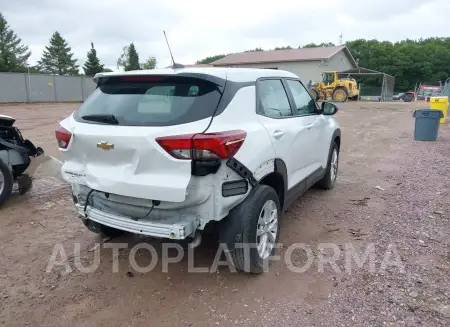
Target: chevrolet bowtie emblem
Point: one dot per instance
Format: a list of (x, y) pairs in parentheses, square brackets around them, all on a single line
[(105, 146)]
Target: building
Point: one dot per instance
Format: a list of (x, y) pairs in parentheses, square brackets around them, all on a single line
[(307, 63)]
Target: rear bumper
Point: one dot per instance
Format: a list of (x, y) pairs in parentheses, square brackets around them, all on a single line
[(172, 228)]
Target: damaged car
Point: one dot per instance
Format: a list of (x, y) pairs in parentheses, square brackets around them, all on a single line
[(18, 158), (167, 153)]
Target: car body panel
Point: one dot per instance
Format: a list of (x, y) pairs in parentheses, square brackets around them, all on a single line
[(136, 166), (117, 172)]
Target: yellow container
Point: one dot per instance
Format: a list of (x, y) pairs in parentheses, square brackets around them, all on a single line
[(440, 103)]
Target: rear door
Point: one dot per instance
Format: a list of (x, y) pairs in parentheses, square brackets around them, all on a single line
[(114, 148), (290, 134)]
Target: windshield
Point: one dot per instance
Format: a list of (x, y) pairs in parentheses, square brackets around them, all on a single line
[(150, 101), (328, 78)]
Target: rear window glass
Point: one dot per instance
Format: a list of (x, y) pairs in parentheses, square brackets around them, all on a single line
[(151, 101)]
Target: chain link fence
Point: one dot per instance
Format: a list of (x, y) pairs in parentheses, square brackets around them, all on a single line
[(22, 87)]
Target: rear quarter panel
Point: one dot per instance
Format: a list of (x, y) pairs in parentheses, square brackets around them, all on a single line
[(257, 150)]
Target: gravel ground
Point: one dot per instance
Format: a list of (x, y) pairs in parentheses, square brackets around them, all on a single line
[(392, 197)]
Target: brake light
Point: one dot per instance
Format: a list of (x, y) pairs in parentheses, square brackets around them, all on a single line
[(141, 78), (207, 146), (63, 137)]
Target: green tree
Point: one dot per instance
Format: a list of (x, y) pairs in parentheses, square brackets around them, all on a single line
[(92, 65), (57, 58), (13, 54), (34, 69), (129, 59), (150, 63), (410, 61), (211, 59), (313, 45), (255, 50), (283, 48)]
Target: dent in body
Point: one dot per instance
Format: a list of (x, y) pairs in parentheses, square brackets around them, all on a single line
[(203, 199), (257, 146)]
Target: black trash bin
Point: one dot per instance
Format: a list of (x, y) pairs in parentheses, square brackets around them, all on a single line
[(427, 124)]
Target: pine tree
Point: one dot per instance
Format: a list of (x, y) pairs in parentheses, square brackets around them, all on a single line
[(133, 58), (129, 59), (13, 54), (92, 66), (57, 57)]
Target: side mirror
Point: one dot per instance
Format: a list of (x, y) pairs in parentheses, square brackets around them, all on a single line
[(329, 109)]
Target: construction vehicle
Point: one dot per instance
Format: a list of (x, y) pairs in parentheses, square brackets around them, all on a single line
[(332, 86)]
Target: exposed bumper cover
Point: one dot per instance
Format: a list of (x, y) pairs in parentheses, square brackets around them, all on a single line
[(167, 228), (49, 166)]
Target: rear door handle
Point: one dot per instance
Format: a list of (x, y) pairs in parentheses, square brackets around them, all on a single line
[(278, 134), (309, 126)]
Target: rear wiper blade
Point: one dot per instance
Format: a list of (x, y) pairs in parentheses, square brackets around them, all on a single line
[(107, 119)]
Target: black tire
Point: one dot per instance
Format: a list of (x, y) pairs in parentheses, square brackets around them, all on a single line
[(240, 229), (103, 230), (328, 181), (339, 91), (314, 94), (8, 182)]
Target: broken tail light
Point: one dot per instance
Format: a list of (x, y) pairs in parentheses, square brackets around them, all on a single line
[(63, 137), (206, 146)]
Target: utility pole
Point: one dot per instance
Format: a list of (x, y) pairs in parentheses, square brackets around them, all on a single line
[(341, 39), (29, 82)]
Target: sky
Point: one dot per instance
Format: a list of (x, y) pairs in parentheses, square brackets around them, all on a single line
[(200, 28)]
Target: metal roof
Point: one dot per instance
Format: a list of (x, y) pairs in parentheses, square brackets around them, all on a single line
[(362, 71), (290, 55)]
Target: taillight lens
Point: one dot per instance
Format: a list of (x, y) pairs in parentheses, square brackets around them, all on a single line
[(63, 137), (207, 146)]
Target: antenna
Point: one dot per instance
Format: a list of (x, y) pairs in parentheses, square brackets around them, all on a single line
[(340, 38), (174, 64)]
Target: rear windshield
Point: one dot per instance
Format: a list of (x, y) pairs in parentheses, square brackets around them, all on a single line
[(151, 100)]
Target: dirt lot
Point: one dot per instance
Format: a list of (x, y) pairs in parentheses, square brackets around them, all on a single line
[(392, 193)]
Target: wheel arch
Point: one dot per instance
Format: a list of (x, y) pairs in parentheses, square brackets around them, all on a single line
[(277, 180), (338, 87), (336, 137)]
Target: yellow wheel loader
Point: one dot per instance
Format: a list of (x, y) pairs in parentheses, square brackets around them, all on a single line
[(338, 89)]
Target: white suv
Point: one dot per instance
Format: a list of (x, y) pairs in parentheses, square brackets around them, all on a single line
[(167, 152)]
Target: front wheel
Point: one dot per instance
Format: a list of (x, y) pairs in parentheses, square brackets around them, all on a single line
[(252, 229), (340, 95), (6, 182), (314, 94)]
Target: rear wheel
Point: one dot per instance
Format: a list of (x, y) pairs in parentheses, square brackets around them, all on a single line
[(340, 95), (6, 182), (254, 226)]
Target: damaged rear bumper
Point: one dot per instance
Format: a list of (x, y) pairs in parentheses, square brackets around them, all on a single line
[(172, 228)]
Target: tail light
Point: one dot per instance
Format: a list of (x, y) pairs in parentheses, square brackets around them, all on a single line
[(207, 146), (63, 137)]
